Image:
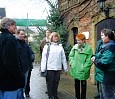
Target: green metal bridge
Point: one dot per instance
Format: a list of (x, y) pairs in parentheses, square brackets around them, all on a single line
[(31, 22)]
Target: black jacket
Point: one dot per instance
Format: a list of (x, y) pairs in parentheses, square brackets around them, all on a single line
[(32, 58), (11, 77), (24, 55)]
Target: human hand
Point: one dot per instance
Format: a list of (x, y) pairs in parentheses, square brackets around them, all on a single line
[(93, 59)]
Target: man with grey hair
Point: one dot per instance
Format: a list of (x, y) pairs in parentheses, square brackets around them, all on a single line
[(11, 77)]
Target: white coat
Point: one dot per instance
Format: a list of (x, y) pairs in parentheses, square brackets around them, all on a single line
[(56, 58)]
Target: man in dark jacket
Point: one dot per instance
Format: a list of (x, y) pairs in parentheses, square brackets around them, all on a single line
[(27, 89), (24, 55), (11, 77), (45, 40)]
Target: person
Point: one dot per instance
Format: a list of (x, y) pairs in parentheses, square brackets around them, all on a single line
[(80, 65), (11, 76), (54, 65), (24, 55), (45, 41), (27, 88), (105, 61), (98, 72)]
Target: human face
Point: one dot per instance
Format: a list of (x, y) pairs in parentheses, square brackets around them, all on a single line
[(80, 42), (102, 35), (12, 28), (48, 33), (21, 35), (104, 38), (55, 38)]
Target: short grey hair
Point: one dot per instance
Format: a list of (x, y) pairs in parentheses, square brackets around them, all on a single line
[(6, 22)]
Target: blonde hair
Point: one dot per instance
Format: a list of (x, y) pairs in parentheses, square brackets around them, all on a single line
[(54, 34)]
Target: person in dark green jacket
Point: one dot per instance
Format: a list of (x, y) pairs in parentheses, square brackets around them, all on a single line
[(104, 60), (98, 72), (80, 62)]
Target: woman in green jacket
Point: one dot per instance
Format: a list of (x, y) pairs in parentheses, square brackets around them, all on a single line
[(80, 62)]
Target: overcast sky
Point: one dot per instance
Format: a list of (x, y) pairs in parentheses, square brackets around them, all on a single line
[(36, 9)]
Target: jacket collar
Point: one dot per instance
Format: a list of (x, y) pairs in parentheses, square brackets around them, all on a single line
[(85, 50), (111, 42), (6, 31)]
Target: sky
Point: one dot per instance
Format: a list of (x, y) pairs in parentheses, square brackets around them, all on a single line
[(31, 9)]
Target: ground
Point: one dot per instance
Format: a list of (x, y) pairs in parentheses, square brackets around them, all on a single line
[(65, 90)]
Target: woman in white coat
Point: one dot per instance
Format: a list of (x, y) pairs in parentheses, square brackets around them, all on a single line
[(56, 59)]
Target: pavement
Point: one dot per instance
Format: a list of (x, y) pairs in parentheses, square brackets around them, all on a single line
[(65, 90)]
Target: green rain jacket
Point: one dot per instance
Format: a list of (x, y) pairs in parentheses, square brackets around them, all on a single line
[(80, 62)]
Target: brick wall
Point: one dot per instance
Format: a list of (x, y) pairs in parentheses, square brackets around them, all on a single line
[(84, 15)]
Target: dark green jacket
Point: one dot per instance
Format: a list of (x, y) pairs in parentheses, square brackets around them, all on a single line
[(105, 61), (99, 73)]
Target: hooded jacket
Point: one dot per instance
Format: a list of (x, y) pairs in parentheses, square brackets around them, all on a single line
[(105, 61), (56, 58), (98, 72), (80, 62)]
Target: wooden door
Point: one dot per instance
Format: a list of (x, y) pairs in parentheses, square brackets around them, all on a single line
[(107, 23), (75, 32)]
